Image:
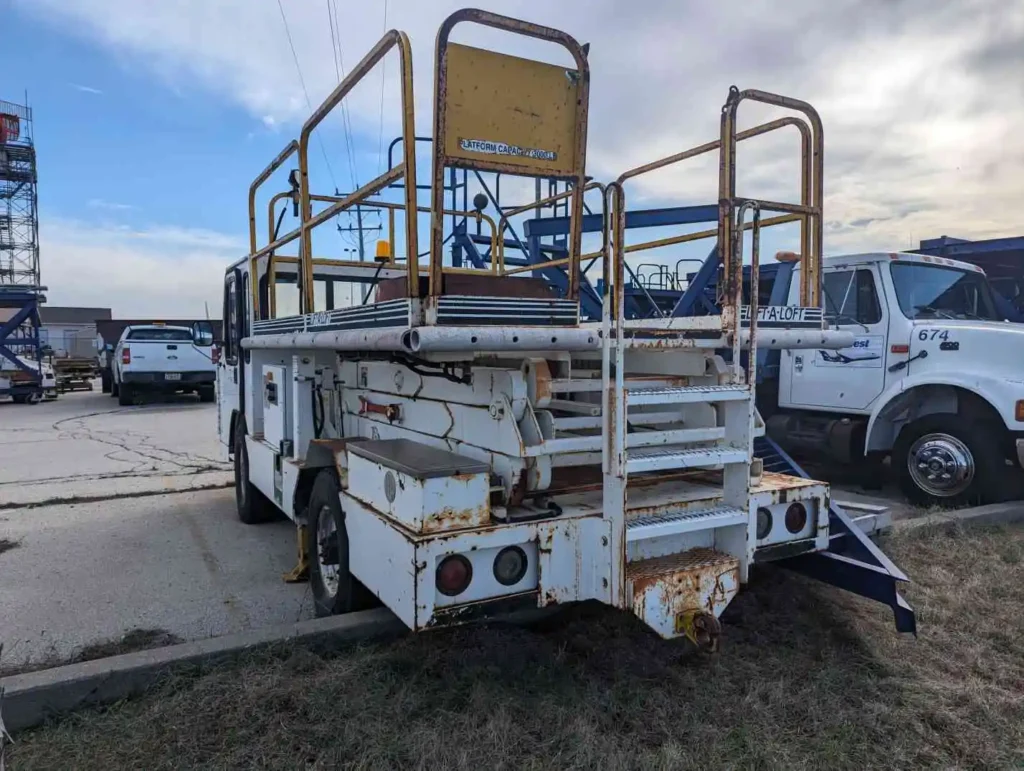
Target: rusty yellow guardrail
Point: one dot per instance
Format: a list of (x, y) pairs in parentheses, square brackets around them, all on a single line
[(535, 84), (406, 170)]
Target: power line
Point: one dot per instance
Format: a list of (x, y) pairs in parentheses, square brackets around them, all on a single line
[(383, 70), (346, 118), (302, 81)]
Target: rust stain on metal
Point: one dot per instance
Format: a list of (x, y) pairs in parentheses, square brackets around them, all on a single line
[(688, 581), (457, 519)]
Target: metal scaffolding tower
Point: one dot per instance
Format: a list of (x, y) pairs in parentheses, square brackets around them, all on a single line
[(20, 289)]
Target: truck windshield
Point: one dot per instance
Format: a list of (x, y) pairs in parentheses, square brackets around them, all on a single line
[(934, 291), (161, 335)]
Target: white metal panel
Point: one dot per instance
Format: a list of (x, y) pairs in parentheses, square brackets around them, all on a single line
[(382, 558), (262, 462), (576, 561), (421, 505)]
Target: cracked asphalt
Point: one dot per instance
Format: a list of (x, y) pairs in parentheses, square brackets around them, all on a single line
[(122, 518)]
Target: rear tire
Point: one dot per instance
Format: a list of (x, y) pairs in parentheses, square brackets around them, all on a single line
[(947, 460), (254, 508), (115, 389), (105, 383), (327, 547), (206, 394), (126, 395)]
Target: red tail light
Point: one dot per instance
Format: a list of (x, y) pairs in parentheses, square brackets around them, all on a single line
[(215, 354), (126, 356)]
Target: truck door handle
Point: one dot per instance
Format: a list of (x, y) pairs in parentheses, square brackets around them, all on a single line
[(798, 363)]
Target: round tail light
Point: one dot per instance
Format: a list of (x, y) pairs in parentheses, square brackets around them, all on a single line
[(453, 575), (510, 566), (796, 517), (764, 523)]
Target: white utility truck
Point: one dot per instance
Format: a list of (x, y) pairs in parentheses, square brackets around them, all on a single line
[(460, 444), (933, 378), (154, 358)]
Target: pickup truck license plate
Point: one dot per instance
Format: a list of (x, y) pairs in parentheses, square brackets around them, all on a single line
[(172, 376)]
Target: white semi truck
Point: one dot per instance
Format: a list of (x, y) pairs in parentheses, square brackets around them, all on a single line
[(461, 444)]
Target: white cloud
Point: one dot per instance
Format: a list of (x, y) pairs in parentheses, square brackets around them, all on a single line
[(921, 99), (99, 203), (157, 271), (85, 89)]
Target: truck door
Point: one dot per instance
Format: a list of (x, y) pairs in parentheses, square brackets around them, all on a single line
[(228, 368), (848, 379)]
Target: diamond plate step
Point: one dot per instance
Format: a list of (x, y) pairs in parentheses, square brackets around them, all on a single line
[(659, 525), (662, 458), (686, 395)]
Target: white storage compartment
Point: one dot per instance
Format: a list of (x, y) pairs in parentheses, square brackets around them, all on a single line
[(424, 489)]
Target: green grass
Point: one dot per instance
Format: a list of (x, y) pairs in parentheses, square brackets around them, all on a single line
[(808, 678)]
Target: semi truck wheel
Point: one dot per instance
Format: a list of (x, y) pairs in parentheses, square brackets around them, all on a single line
[(327, 547), (947, 460), (253, 506)]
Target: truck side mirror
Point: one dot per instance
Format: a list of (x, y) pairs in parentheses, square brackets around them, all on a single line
[(202, 334)]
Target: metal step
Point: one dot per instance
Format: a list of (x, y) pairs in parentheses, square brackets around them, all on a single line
[(636, 397), (662, 458), (659, 525)]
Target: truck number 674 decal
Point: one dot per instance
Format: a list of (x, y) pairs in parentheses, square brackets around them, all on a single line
[(932, 334)]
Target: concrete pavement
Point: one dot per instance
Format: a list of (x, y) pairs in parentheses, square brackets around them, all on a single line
[(182, 563), (83, 445)]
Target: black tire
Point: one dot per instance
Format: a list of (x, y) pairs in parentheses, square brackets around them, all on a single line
[(126, 395), (105, 383), (115, 389), (253, 506), (206, 394), (329, 598), (19, 398), (989, 480)]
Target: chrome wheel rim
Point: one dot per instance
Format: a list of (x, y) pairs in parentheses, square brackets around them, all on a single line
[(326, 551), (941, 465)]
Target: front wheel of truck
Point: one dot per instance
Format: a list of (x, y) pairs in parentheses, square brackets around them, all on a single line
[(947, 460)]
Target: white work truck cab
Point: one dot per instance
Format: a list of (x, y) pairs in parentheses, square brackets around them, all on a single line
[(156, 358), (934, 378), (458, 440)]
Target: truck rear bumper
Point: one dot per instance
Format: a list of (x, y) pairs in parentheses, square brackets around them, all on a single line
[(160, 379)]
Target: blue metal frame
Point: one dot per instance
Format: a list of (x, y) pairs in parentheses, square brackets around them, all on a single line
[(20, 334), (852, 562)]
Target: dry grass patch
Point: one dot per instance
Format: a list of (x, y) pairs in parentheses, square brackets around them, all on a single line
[(808, 678)]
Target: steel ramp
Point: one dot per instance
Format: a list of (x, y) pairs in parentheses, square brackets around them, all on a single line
[(853, 561)]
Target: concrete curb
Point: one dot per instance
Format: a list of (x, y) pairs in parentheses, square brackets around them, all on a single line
[(29, 699), (993, 514)]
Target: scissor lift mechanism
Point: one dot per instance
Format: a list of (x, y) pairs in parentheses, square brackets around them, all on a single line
[(465, 443)]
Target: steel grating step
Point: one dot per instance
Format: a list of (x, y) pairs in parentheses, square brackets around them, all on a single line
[(687, 395), (662, 458), (658, 525)]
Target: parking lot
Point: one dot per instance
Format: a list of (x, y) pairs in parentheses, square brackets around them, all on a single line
[(112, 552), (123, 518)]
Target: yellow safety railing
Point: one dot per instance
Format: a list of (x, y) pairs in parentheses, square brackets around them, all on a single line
[(573, 172), (406, 169)]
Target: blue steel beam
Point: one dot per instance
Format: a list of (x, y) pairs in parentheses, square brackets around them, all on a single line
[(640, 218)]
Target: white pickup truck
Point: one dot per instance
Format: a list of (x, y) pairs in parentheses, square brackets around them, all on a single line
[(163, 359), (934, 379)]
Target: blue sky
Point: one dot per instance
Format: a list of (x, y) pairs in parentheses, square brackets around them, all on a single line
[(152, 118)]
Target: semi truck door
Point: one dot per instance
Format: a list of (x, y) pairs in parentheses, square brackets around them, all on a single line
[(228, 374), (850, 378)]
